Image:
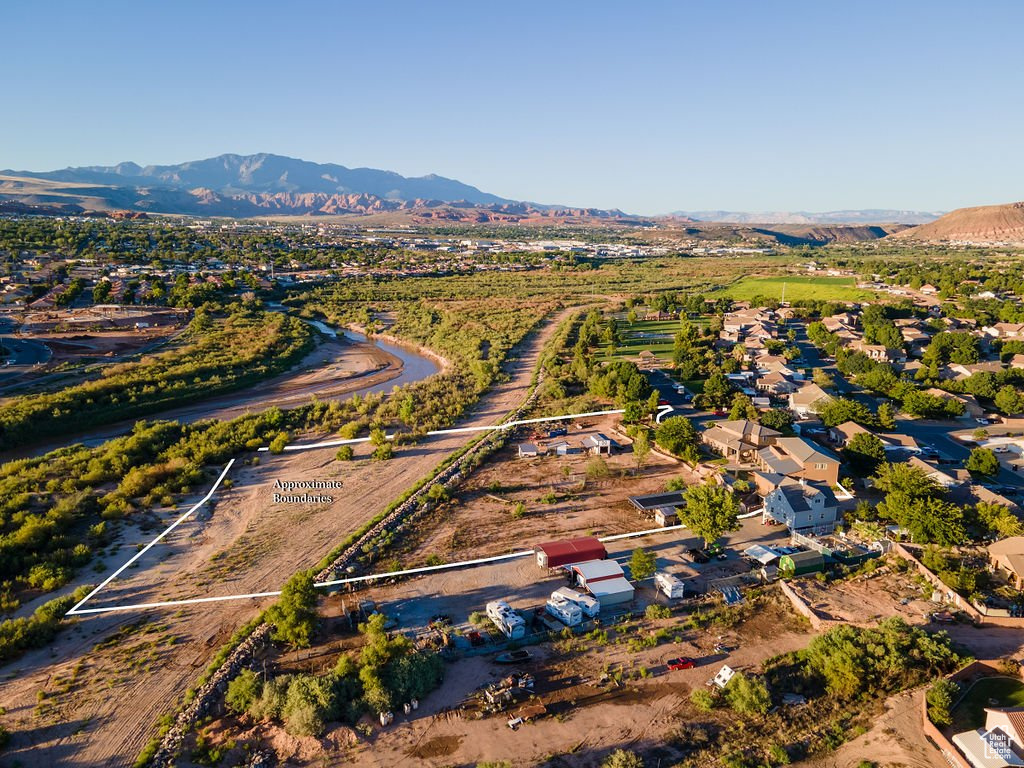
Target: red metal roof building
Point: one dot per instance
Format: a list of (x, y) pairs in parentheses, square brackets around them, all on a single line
[(555, 554)]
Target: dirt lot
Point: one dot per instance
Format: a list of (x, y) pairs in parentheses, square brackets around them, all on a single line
[(588, 712), (866, 600), (102, 318), (259, 545)]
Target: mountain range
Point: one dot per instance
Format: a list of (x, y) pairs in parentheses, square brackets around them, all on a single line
[(265, 184)]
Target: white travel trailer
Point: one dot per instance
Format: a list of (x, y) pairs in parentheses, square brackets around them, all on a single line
[(590, 606), (565, 611), (670, 586), (507, 620)]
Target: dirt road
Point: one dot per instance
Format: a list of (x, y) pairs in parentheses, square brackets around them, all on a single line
[(98, 704)]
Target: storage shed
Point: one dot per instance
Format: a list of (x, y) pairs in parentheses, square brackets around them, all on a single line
[(556, 554), (590, 573), (800, 563), (612, 591)]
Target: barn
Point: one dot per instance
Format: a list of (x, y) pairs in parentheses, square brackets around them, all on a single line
[(557, 554)]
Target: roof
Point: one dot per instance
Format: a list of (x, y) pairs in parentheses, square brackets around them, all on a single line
[(806, 556), (798, 495), (850, 428), (1011, 546), (655, 500), (763, 555), (610, 587), (809, 394), (586, 548), (805, 451), (598, 569)]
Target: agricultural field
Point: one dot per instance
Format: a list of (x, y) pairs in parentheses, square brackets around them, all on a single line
[(797, 288)]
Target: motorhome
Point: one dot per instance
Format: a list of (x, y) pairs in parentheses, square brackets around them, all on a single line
[(565, 610), (671, 586), (506, 619), (590, 606)]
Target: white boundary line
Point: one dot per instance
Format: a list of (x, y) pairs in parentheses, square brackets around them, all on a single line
[(78, 610), (454, 431), (144, 550), (369, 577), (662, 412)]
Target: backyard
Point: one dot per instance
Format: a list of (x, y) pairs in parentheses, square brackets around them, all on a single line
[(969, 713)]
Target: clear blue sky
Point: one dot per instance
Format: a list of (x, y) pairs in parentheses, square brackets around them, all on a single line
[(648, 106)]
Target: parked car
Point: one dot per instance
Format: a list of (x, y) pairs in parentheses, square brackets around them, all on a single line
[(513, 657), (983, 422), (683, 662)]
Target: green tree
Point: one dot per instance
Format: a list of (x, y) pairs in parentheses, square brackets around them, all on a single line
[(841, 410), (641, 448), (779, 419), (940, 697), (864, 452), (742, 408), (907, 479), (678, 436), (887, 416), (747, 695), (710, 511), (294, 616), (642, 564), (1009, 400), (982, 461)]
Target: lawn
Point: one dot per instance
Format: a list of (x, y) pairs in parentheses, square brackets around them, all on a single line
[(797, 288), (970, 712)]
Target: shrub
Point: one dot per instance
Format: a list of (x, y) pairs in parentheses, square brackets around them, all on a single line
[(655, 611), (703, 699), (345, 453)]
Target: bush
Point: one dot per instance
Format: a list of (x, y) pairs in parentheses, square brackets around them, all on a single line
[(294, 615), (747, 695), (655, 611), (703, 699), (277, 445), (243, 691), (940, 698), (345, 453), (622, 758)]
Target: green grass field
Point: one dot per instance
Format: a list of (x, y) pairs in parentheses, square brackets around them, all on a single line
[(797, 288), (970, 712)]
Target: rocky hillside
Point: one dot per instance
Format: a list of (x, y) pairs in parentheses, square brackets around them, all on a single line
[(985, 224)]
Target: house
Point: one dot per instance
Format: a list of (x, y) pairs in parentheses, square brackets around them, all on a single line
[(842, 434), (797, 457), (929, 290), (972, 408), (808, 399), (803, 507), (1007, 558), (1017, 361), (739, 439), (878, 352), (945, 479), (1005, 330), (666, 516), (999, 744), (966, 370), (527, 450), (597, 445), (775, 384)]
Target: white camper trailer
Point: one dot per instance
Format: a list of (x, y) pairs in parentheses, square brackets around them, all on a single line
[(565, 611), (507, 620), (590, 606), (670, 586)]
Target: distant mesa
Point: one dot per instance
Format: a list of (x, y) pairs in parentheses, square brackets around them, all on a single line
[(983, 225), (867, 216)]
